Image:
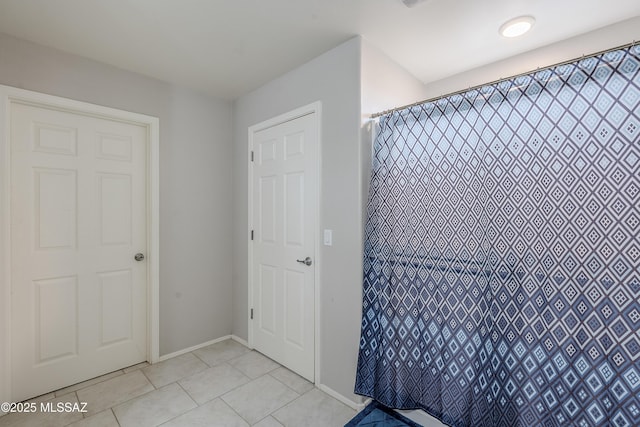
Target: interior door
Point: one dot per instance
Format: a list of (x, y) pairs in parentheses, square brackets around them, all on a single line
[(284, 199), (78, 217)]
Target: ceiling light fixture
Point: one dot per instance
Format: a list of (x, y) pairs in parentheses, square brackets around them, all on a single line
[(411, 3), (517, 26)]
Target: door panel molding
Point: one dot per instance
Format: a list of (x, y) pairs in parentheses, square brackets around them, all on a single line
[(57, 143), (291, 150)]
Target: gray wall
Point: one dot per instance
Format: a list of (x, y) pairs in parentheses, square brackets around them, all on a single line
[(334, 79), (195, 179), (198, 201)]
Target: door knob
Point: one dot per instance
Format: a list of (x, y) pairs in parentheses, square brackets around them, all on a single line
[(138, 256), (306, 261)]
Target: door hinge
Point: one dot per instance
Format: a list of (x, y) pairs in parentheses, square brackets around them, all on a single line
[(251, 234), (252, 156), (252, 314)]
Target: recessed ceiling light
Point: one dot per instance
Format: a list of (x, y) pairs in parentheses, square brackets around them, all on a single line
[(517, 26), (411, 3)]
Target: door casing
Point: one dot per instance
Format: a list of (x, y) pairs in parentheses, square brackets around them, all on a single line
[(316, 108), (9, 95)]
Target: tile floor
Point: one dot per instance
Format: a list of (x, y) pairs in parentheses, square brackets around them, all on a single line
[(224, 384)]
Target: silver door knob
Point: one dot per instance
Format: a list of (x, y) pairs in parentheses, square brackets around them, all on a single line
[(306, 261), (138, 256)]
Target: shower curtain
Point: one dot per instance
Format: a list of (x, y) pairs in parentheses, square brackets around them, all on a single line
[(502, 252)]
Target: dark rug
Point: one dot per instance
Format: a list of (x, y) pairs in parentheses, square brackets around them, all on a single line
[(378, 415)]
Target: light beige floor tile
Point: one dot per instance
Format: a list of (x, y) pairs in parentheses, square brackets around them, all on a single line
[(136, 367), (253, 364), (292, 380), (207, 385), (88, 383), (268, 422), (109, 393), (257, 399), (102, 419), (174, 369), (314, 409), (154, 408), (221, 352), (213, 414), (44, 418)]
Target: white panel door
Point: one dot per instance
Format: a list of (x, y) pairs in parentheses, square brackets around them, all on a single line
[(78, 217), (284, 223)]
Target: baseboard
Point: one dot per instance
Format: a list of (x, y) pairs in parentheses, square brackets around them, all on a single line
[(331, 392), (421, 418), (240, 340), (350, 403), (195, 347), (365, 403)]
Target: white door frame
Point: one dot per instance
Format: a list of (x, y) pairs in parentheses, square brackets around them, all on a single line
[(316, 108), (7, 96)]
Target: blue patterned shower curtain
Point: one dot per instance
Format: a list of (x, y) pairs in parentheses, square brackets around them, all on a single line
[(502, 252)]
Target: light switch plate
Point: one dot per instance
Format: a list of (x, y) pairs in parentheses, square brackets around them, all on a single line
[(328, 237)]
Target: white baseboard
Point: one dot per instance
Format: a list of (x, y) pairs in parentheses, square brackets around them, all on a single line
[(240, 340), (421, 418), (331, 392), (195, 347)]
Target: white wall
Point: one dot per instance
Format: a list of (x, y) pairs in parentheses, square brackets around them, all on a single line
[(333, 79), (384, 85), (605, 38), (195, 179)]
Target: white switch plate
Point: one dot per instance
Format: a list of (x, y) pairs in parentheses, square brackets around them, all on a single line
[(328, 237)]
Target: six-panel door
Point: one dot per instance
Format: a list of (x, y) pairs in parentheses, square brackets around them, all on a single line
[(284, 220), (78, 217)]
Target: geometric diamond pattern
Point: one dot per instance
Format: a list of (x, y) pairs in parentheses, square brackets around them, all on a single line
[(502, 257)]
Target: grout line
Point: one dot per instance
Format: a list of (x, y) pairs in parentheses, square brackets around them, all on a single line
[(190, 396), (286, 385), (284, 405), (187, 393), (226, 364), (275, 419), (201, 359), (233, 409), (121, 371), (299, 395), (133, 398), (148, 379), (240, 341), (114, 417), (229, 366)]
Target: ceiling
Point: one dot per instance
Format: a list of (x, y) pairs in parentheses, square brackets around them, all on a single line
[(229, 47)]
